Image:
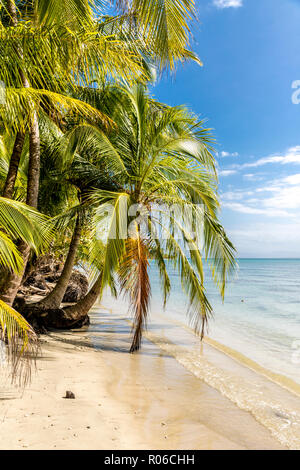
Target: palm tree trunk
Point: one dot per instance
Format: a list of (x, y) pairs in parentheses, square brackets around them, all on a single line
[(141, 295), (74, 316), (11, 8), (82, 308), (33, 178), (54, 299), (20, 137), (12, 173), (9, 185), (14, 280)]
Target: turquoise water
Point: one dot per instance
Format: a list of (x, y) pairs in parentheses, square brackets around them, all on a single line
[(260, 316)]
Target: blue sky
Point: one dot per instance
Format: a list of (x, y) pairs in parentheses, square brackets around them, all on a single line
[(250, 51)]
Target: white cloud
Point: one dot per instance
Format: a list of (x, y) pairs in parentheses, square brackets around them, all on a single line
[(285, 198), (228, 3), (227, 172), (249, 176), (278, 185), (292, 179), (267, 238), (266, 189), (245, 209), (291, 156), (235, 195), (253, 177), (281, 198), (265, 215), (227, 154)]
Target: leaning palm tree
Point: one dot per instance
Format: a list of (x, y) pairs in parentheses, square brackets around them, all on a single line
[(47, 47), (68, 173), (161, 162), (19, 221)]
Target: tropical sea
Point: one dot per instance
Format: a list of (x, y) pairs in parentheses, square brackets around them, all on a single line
[(251, 353), (260, 316)]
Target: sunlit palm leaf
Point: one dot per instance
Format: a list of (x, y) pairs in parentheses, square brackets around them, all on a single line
[(165, 26), (20, 343), (20, 103), (10, 257), (74, 12), (168, 158), (134, 281), (21, 221)]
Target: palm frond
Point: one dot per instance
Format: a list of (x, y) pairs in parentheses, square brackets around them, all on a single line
[(107, 225), (192, 284), (134, 281), (165, 26), (10, 257), (21, 343), (157, 253), (72, 12), (219, 252), (21, 221), (22, 102)]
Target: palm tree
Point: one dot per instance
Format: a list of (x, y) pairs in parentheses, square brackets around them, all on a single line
[(19, 221), (67, 165), (70, 168), (86, 48), (60, 52), (159, 157), (33, 178), (69, 34), (164, 26)]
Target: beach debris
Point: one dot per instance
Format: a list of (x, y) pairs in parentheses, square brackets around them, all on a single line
[(281, 415), (69, 394)]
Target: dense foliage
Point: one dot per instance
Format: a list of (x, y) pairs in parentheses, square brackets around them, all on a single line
[(82, 140)]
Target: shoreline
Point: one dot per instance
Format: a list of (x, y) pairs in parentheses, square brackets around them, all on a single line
[(121, 401), (279, 379)]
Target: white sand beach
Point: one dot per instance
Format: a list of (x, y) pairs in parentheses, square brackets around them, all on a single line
[(141, 401)]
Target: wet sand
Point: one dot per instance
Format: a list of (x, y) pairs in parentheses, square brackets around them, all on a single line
[(142, 401)]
